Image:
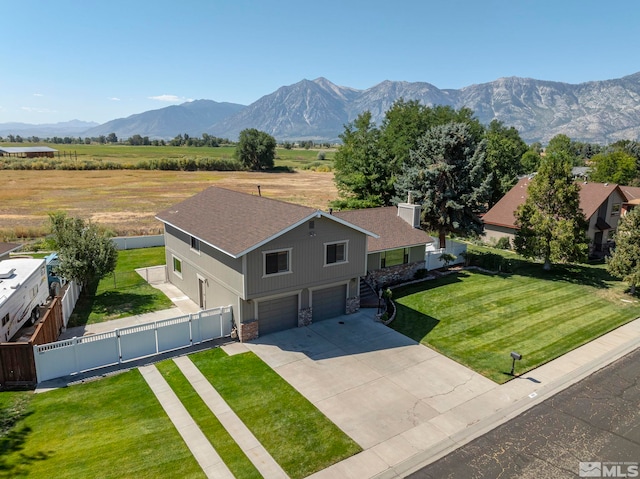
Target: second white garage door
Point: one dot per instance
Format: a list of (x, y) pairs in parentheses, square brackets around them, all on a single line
[(277, 314), (329, 302)]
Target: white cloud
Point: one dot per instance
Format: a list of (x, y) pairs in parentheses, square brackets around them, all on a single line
[(114, 98), (37, 110), (38, 94), (167, 98)]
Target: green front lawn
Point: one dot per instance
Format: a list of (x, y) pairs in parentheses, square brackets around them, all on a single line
[(296, 434), (123, 293), (111, 428), (237, 462), (477, 319)]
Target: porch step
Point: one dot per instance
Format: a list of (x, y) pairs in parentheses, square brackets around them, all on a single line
[(368, 297)]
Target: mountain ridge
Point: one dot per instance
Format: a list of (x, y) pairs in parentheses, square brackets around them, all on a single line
[(594, 111)]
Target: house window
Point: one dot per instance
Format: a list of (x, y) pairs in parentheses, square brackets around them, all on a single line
[(5, 319), (335, 253), (177, 266), (276, 262), (615, 209), (195, 244), (394, 257)]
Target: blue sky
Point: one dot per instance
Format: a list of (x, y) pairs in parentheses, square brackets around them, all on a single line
[(100, 60)]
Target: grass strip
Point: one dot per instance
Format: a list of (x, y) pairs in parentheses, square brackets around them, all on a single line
[(111, 428), (296, 434), (222, 442)]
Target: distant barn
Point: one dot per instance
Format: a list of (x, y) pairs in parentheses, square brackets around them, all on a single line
[(27, 151)]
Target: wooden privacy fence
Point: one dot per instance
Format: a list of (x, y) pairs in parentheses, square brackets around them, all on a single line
[(76, 355), (17, 363)]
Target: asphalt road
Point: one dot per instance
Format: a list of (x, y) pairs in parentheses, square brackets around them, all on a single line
[(595, 420)]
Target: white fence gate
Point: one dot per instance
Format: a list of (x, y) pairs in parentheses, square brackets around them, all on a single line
[(76, 355)]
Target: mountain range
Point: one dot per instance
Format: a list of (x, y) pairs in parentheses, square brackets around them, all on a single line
[(596, 112)]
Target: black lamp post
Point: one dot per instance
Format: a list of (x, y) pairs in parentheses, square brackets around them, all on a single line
[(515, 356)]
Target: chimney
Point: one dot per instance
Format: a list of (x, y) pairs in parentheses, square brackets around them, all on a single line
[(410, 213)]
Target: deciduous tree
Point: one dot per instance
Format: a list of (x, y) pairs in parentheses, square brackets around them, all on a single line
[(86, 252), (504, 154), (551, 224), (256, 149), (615, 167), (624, 262)]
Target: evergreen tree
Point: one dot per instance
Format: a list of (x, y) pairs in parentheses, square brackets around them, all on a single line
[(447, 174), (624, 262), (551, 224)]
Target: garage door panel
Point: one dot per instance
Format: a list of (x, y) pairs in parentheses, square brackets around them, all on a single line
[(329, 302), (277, 314)]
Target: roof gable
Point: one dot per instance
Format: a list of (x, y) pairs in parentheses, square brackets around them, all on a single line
[(237, 223)]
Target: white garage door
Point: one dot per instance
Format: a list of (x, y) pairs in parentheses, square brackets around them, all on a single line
[(277, 314), (329, 302)]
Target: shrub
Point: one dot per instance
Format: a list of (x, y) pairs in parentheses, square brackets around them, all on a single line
[(503, 243)]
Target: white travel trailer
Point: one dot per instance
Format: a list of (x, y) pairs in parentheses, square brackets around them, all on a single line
[(23, 289)]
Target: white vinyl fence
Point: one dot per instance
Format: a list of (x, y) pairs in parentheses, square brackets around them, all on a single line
[(69, 300), (76, 355), (434, 252), (135, 242)]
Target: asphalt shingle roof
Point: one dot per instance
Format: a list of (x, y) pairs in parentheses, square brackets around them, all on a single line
[(592, 195), (231, 221), (392, 230)]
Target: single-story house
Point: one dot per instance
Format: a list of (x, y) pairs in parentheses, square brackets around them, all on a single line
[(601, 204), (7, 248), (278, 264)]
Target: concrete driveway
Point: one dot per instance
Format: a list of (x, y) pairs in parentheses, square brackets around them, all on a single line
[(371, 381)]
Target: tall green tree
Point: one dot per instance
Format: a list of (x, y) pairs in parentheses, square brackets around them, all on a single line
[(86, 252), (504, 154), (363, 176), (615, 167), (256, 149), (624, 262), (447, 173), (551, 224)]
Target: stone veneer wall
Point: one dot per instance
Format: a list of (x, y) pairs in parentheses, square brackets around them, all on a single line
[(248, 331), (305, 315), (381, 278), (353, 305)]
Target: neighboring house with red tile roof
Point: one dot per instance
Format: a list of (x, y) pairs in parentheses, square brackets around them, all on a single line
[(601, 204), (279, 265)]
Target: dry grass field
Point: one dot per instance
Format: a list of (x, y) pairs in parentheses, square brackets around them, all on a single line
[(126, 201)]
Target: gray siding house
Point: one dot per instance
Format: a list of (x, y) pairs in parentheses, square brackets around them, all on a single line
[(279, 265)]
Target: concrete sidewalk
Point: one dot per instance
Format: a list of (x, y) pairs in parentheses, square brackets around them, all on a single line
[(196, 441), (405, 404), (253, 449)]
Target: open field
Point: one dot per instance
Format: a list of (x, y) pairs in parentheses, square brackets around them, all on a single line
[(477, 318), (127, 200), (130, 155)]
